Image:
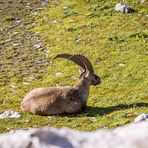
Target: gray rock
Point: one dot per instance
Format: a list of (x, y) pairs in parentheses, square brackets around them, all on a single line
[(10, 114), (134, 135), (141, 117), (124, 8)]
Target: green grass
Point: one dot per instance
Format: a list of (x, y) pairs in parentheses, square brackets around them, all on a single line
[(116, 44)]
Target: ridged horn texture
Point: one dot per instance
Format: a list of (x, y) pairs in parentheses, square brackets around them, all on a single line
[(78, 59), (86, 62)]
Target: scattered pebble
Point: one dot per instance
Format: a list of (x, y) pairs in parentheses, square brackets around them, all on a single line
[(8, 40), (4, 102), (74, 77), (44, 2), (122, 65), (15, 44), (10, 114), (58, 74), (17, 20), (51, 117), (29, 7), (77, 41), (14, 87), (47, 53), (142, 1), (15, 33), (31, 79), (26, 121), (34, 13), (141, 117), (54, 22), (65, 7), (25, 83), (93, 119), (38, 45)]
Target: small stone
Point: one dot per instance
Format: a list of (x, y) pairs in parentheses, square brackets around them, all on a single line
[(25, 83), (34, 13), (58, 74), (54, 22), (15, 44), (31, 79), (27, 121), (15, 33), (122, 65), (38, 45), (77, 41), (93, 119), (29, 7), (141, 117), (4, 102), (74, 77), (14, 87), (8, 40), (65, 7), (51, 117), (17, 20), (47, 53)]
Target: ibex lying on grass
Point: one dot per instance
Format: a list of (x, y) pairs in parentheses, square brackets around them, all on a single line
[(58, 100)]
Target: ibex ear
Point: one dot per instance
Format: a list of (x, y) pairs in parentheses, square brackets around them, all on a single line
[(87, 74), (81, 71)]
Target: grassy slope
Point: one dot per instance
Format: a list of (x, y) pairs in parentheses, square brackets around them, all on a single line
[(116, 43)]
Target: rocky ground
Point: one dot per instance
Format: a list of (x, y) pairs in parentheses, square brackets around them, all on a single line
[(21, 50)]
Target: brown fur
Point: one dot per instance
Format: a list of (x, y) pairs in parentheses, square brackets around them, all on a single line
[(58, 100)]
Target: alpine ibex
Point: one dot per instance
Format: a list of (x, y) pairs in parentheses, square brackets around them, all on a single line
[(58, 100)]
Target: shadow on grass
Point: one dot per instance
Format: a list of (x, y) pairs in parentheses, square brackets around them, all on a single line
[(91, 111), (100, 111)]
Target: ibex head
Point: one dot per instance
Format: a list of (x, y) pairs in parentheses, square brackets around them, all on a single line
[(87, 70)]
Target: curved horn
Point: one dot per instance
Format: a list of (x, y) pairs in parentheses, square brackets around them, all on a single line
[(75, 58), (86, 62)]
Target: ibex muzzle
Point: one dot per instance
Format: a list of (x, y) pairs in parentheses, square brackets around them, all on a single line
[(59, 100)]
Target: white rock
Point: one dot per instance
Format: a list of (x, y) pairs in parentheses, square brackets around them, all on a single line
[(10, 114)]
